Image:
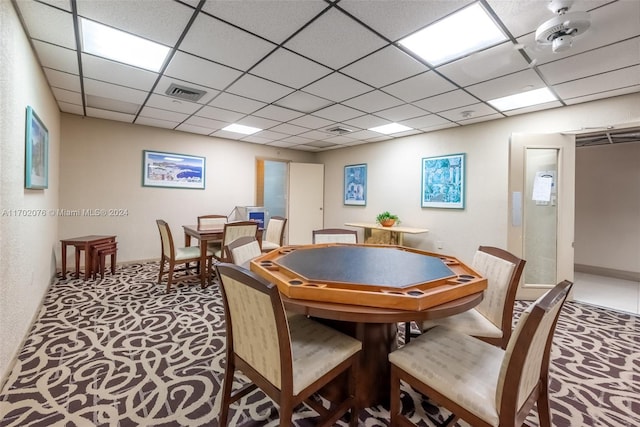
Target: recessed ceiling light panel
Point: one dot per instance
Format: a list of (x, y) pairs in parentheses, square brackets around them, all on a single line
[(246, 130), (390, 128), (107, 42), (469, 30), (524, 99)]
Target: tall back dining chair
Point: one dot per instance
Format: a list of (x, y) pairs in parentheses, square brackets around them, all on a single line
[(492, 319), (288, 357), (334, 235), (483, 384), (212, 222), (243, 250), (233, 231), (172, 255), (274, 235)]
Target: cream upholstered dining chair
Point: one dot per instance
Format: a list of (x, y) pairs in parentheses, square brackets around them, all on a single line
[(483, 384), (288, 357), (335, 235), (243, 250), (492, 319), (172, 256), (233, 231), (274, 234), (212, 222)]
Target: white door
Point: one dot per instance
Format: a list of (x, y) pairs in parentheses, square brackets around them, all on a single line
[(541, 204), (306, 201)]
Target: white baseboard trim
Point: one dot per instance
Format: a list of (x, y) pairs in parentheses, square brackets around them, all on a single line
[(607, 272)]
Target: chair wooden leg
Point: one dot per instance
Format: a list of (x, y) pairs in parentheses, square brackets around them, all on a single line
[(170, 275), (286, 413), (227, 383), (161, 270), (394, 405), (544, 412), (113, 263)]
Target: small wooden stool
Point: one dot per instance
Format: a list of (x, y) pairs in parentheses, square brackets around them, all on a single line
[(99, 254)]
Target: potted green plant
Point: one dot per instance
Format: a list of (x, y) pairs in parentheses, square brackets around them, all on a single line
[(387, 219)]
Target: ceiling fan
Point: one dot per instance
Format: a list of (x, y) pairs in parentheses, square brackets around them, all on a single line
[(560, 30)]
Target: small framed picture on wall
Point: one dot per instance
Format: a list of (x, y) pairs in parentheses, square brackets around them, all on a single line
[(355, 185), (443, 184)]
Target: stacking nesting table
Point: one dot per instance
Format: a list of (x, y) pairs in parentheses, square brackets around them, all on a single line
[(83, 243)]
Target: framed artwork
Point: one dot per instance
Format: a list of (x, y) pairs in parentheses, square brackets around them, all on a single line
[(36, 168), (172, 170), (443, 181), (355, 185)]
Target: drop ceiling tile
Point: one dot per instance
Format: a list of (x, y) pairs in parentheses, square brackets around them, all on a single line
[(189, 68), (282, 144), (296, 140), (305, 147), (486, 118), (258, 88), (335, 39), (110, 115), (420, 86), (373, 101), (614, 80), (102, 69), (172, 104), (163, 22), (165, 82), (601, 95), (384, 67), (56, 57), (63, 80), (530, 109), (108, 90), (446, 101), (340, 139), (202, 122), (257, 140), (290, 69), (363, 134), (63, 95), (110, 104), (337, 87), (427, 121), (220, 114), (311, 122), (619, 55), (401, 112), (397, 19), (271, 136), (338, 113), (236, 103), (476, 110), (485, 65), (274, 20), (257, 122), (321, 144), (193, 129), (228, 135), (65, 107), (522, 17), (59, 24), (278, 113), (522, 81), (157, 113), (367, 122), (158, 123), (289, 129), (60, 4), (217, 41), (315, 135), (303, 102)]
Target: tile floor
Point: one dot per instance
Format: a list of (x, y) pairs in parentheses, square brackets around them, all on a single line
[(617, 294)]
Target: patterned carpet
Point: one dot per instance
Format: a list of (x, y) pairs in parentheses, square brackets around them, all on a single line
[(121, 352)]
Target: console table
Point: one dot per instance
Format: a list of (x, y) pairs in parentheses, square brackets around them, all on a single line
[(395, 233)]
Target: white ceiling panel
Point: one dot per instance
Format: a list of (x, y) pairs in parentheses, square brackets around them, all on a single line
[(212, 39), (290, 69), (335, 39), (297, 68)]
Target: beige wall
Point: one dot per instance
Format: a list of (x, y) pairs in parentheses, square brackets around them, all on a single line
[(608, 207), (101, 168), (27, 243), (394, 176)]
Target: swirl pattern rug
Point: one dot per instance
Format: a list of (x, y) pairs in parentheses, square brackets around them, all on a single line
[(122, 352)]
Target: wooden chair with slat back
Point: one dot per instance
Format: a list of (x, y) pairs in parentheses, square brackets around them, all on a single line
[(274, 235), (481, 383), (335, 235), (233, 231), (212, 221), (289, 357), (243, 250), (172, 255), (492, 319)]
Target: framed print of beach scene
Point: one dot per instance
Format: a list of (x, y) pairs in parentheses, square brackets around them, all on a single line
[(172, 170)]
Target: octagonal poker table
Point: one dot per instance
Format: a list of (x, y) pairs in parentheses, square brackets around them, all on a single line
[(365, 291)]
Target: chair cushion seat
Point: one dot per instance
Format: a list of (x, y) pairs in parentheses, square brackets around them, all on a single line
[(460, 367), (316, 349), (269, 246), (189, 252), (469, 322)]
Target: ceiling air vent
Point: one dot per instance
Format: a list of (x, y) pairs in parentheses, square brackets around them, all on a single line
[(613, 136), (183, 92), (339, 130)]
